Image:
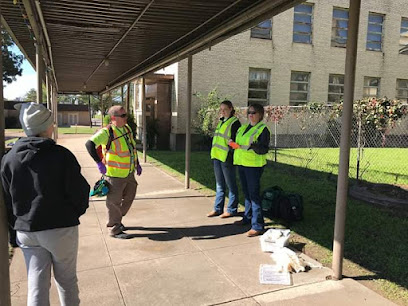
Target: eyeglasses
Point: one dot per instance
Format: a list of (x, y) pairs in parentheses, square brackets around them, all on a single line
[(251, 112), (121, 116)]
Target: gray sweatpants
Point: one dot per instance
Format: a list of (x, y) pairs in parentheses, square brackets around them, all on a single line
[(57, 248)]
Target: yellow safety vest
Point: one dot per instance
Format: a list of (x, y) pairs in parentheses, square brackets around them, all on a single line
[(122, 156), (219, 149), (243, 156)]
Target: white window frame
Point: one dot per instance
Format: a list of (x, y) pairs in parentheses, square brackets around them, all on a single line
[(299, 102), (339, 85), (255, 31), (404, 36), (375, 33), (367, 78), (399, 87), (259, 100), (309, 34), (336, 28)]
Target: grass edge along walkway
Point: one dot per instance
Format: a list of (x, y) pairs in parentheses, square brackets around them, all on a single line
[(374, 246)]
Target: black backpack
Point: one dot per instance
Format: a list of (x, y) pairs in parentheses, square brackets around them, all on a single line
[(278, 204), (291, 207), (270, 201)]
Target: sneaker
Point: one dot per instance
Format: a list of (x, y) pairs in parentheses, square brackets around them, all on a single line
[(122, 227), (213, 214), (121, 235)]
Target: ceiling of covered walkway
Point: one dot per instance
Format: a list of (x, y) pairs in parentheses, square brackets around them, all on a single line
[(99, 44)]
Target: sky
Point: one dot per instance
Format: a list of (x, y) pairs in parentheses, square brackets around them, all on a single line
[(23, 84)]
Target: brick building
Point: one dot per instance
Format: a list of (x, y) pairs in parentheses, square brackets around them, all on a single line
[(298, 56)]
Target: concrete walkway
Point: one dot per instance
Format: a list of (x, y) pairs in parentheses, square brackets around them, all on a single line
[(178, 256)]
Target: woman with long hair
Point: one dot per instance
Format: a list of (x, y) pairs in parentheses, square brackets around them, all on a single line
[(221, 156)]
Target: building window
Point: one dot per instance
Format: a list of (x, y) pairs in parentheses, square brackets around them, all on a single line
[(262, 30), (299, 87), (371, 87), (374, 32), (336, 87), (402, 89), (258, 86), (404, 36), (339, 27), (302, 23)]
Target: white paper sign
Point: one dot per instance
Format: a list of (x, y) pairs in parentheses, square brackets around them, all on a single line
[(269, 274)]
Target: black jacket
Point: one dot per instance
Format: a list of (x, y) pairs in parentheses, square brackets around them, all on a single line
[(43, 186)]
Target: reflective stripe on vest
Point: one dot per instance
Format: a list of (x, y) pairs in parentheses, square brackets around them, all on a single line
[(219, 149), (118, 157), (243, 156)]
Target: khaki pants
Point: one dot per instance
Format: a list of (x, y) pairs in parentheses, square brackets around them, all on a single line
[(121, 194)]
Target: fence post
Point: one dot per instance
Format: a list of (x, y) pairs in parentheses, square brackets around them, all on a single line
[(276, 141), (358, 147)]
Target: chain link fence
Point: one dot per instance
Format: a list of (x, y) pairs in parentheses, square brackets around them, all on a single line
[(310, 138)]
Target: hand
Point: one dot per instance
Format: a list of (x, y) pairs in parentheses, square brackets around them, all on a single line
[(138, 169), (101, 167), (233, 145)]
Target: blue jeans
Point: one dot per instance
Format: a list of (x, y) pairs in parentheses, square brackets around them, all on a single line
[(250, 180), (225, 173)]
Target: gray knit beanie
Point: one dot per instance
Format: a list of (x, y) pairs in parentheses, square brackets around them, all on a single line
[(34, 117)]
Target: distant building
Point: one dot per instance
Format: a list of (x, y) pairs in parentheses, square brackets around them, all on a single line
[(68, 115)]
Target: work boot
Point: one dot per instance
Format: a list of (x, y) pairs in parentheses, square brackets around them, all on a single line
[(213, 214)]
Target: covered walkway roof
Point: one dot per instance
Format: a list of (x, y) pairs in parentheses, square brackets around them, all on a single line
[(95, 45)]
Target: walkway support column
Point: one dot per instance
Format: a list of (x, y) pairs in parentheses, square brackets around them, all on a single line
[(102, 109), (5, 298), (188, 120), (54, 103), (39, 67), (48, 87), (342, 181), (128, 97), (143, 100)]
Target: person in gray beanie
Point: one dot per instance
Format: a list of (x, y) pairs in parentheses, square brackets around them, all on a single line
[(45, 194)]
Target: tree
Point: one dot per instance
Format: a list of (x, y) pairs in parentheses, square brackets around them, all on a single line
[(31, 95), (11, 62)]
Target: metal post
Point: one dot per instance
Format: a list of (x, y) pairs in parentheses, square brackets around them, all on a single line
[(121, 95), (54, 103), (135, 100), (342, 181), (128, 98), (102, 109), (143, 100), (90, 110), (39, 68), (188, 120), (5, 298), (48, 86)]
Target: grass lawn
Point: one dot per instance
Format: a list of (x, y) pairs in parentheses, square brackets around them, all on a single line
[(376, 244), (378, 165)]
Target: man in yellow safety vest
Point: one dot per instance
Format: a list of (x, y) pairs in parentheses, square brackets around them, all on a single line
[(118, 165)]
